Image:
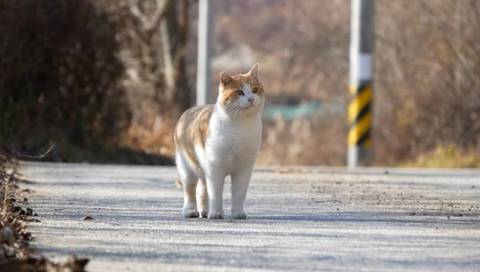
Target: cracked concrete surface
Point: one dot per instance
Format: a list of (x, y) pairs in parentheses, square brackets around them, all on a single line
[(300, 219)]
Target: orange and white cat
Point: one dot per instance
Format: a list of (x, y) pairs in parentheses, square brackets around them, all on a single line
[(220, 140)]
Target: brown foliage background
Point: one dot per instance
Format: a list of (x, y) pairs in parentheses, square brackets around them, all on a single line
[(105, 80), (74, 74), (426, 75), (427, 78)]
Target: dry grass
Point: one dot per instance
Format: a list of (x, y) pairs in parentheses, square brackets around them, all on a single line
[(155, 137), (446, 157)]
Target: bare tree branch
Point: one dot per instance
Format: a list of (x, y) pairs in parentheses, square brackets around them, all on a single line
[(151, 24)]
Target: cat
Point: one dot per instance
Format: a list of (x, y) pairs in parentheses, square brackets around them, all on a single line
[(220, 140)]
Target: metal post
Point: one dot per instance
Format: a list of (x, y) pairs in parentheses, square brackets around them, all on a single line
[(361, 62), (205, 26)]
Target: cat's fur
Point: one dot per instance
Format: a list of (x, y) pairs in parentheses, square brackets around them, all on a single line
[(220, 140)]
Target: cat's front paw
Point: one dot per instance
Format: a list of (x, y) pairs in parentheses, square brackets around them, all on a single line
[(239, 215), (215, 215), (190, 213), (203, 214)]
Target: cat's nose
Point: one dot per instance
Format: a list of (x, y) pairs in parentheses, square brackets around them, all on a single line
[(250, 99)]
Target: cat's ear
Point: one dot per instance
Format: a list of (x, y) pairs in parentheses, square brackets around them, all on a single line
[(225, 78), (253, 73)]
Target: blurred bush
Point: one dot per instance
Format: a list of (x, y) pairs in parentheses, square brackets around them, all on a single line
[(79, 74), (60, 77)]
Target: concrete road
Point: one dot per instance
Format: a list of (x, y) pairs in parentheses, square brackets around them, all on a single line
[(300, 219)]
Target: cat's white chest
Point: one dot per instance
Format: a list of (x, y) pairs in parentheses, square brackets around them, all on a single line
[(232, 145)]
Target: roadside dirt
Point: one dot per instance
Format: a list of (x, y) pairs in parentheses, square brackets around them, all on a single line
[(398, 197), (16, 254)]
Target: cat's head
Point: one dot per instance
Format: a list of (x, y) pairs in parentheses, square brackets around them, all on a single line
[(242, 94)]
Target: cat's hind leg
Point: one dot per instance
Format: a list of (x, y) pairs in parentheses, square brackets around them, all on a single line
[(202, 198), (189, 184)]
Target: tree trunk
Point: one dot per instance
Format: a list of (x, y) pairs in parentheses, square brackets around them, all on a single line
[(174, 31)]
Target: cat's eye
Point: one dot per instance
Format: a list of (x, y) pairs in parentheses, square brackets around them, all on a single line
[(255, 90), (240, 92)]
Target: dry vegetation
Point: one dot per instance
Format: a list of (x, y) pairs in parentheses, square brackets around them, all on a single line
[(446, 157), (16, 255), (13, 237), (427, 78), (105, 80)]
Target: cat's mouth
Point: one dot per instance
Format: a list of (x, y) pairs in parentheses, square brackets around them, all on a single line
[(249, 106)]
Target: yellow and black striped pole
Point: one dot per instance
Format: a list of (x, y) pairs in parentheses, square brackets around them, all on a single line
[(361, 91)]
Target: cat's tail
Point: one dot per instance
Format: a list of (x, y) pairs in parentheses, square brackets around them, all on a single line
[(178, 183)]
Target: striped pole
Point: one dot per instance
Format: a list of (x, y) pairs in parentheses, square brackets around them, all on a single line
[(361, 62)]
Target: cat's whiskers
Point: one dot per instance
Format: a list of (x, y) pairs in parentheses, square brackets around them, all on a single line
[(234, 109)]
